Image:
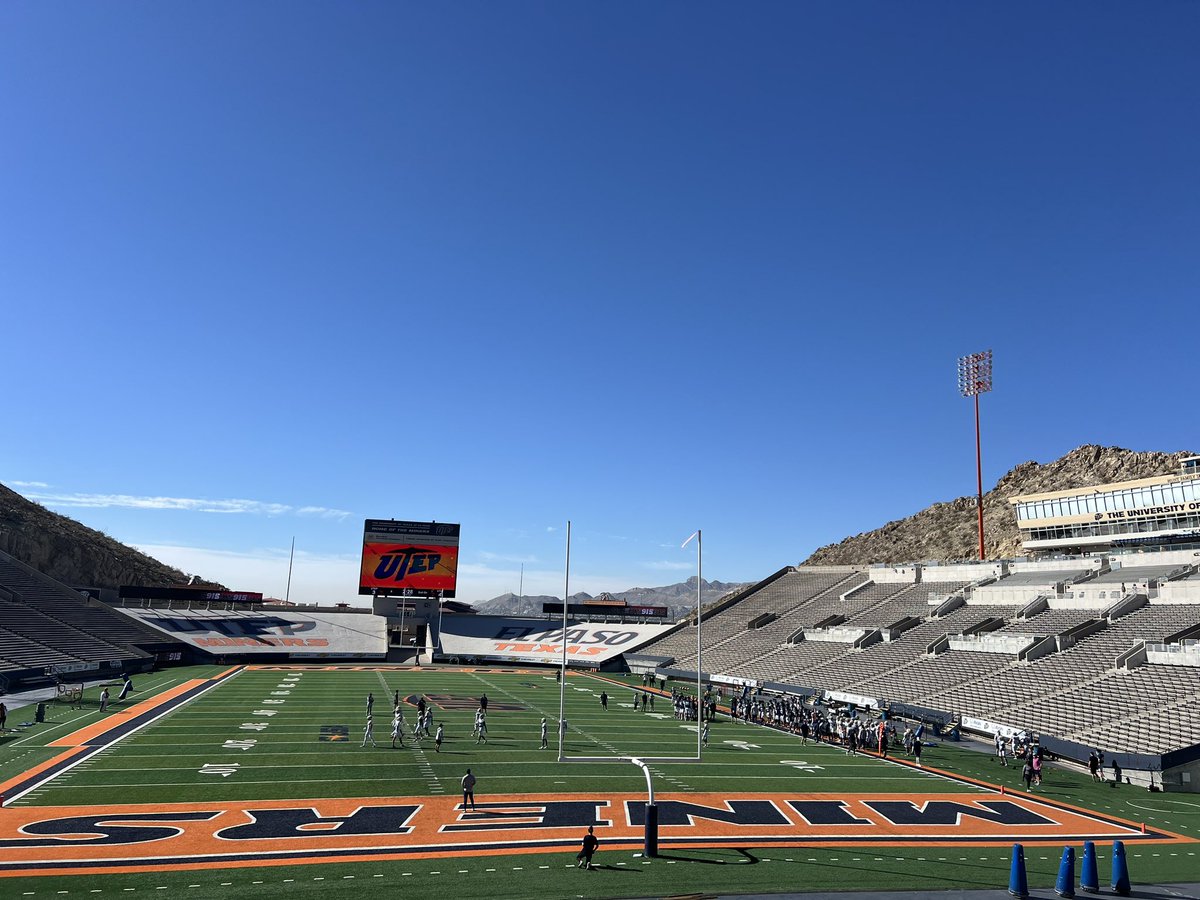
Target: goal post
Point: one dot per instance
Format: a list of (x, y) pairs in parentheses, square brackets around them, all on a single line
[(641, 761)]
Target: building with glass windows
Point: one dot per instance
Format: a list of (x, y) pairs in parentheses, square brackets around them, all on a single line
[(1148, 512)]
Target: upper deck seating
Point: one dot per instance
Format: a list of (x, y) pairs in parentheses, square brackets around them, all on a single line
[(67, 606)]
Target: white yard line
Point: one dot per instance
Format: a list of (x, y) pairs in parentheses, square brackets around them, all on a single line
[(39, 785)]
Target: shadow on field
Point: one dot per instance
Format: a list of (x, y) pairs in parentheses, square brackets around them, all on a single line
[(925, 866), (747, 857)]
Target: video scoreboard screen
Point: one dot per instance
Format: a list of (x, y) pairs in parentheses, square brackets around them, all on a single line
[(409, 559)]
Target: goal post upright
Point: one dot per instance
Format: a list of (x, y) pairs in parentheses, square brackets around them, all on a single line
[(650, 845), (562, 672)]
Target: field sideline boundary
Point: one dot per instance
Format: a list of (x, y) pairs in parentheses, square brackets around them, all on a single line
[(86, 742), (1000, 789)]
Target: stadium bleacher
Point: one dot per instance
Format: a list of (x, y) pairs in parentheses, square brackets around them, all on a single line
[(60, 602), (1074, 692)]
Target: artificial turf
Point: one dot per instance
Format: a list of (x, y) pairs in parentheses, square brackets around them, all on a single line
[(167, 760)]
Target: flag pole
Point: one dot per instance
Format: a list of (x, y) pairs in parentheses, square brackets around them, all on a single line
[(699, 640), (562, 680), (291, 558)]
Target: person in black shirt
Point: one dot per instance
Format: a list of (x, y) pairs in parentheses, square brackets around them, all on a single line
[(590, 842)]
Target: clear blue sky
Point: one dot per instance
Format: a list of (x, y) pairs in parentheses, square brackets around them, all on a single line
[(648, 267)]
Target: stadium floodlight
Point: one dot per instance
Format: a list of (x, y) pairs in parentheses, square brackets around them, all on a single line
[(975, 378), (642, 762)]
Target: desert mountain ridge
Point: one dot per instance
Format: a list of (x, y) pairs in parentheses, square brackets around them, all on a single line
[(949, 531), (81, 556), (74, 554)]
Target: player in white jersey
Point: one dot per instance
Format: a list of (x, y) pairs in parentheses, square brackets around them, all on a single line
[(369, 732)]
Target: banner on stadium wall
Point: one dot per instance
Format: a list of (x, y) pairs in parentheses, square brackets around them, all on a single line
[(856, 699), (411, 559), (734, 680), (344, 635), (535, 640), (983, 725)]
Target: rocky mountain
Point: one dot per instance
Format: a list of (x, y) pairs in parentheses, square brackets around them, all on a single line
[(949, 530), (73, 553), (680, 599)]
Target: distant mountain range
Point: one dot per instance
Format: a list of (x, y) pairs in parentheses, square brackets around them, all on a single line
[(680, 598)]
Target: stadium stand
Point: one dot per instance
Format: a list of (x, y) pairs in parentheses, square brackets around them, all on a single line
[(1070, 688), (1052, 621), (797, 590), (852, 668), (18, 650), (912, 682), (60, 602)]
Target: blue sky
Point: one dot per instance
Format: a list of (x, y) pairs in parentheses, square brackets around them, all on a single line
[(268, 269)]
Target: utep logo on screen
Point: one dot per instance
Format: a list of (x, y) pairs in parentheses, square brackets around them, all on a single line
[(398, 566)]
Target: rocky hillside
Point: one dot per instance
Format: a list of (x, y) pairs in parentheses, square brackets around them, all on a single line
[(947, 531), (73, 553), (680, 599)]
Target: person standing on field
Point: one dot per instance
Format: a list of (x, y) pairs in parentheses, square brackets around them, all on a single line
[(468, 788), (397, 730), (590, 842)]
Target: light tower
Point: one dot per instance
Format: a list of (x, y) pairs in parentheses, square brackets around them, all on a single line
[(975, 378)]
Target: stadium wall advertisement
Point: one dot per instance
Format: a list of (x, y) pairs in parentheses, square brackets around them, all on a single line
[(328, 635), (535, 640), (412, 559)]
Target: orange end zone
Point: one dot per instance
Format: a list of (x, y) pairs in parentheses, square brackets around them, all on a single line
[(120, 838)]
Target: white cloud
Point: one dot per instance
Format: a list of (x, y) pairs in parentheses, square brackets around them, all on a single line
[(333, 578), (663, 565), (316, 578), (190, 504), (29, 484)]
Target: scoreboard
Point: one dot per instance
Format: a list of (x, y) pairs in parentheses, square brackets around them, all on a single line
[(409, 559)]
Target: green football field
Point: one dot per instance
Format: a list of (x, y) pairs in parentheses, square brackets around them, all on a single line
[(278, 753)]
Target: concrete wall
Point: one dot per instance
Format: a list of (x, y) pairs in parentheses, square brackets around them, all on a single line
[(835, 635), (1184, 778), (1089, 599), (992, 643), (999, 595), (895, 574), (1187, 654), (1156, 558), (1056, 565), (1186, 591), (964, 571)]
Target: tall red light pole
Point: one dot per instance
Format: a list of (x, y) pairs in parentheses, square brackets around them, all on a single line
[(975, 378)]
